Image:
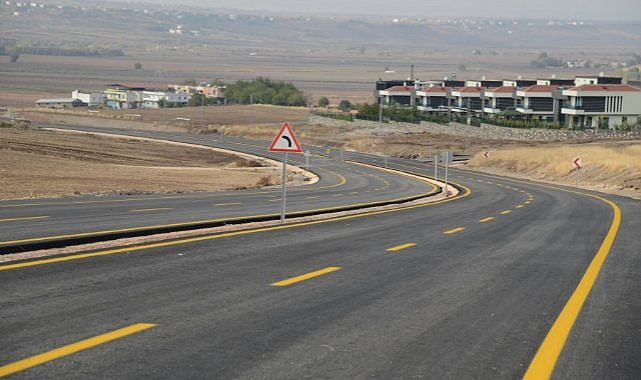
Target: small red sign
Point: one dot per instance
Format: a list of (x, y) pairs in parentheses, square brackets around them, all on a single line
[(577, 162)]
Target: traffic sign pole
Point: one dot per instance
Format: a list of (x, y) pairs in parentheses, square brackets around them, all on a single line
[(307, 154), (285, 142), (578, 164), (283, 189)]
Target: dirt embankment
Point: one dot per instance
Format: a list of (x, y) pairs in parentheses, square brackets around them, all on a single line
[(40, 163), (611, 167)]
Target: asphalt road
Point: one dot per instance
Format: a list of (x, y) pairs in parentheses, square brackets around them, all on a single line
[(464, 289), (342, 185)]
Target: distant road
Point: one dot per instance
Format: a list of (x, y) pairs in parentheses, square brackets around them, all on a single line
[(464, 289)]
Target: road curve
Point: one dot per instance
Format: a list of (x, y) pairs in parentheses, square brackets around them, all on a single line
[(31, 224), (462, 289)]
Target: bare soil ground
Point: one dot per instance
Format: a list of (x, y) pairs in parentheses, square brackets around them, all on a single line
[(40, 163), (212, 119)]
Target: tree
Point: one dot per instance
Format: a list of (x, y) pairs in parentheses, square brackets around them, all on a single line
[(345, 105), (197, 100), (546, 61), (323, 101), (137, 66), (265, 91)]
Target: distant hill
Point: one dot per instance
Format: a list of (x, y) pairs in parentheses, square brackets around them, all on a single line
[(118, 26)]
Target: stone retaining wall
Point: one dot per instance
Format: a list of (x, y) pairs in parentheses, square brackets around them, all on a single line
[(485, 131)]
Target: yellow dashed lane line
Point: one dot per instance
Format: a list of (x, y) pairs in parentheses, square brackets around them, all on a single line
[(306, 276), (57, 353), (400, 247)]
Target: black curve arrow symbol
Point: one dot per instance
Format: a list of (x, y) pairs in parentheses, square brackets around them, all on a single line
[(289, 141)]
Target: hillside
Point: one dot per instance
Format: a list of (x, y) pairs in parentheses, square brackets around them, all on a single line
[(612, 167)]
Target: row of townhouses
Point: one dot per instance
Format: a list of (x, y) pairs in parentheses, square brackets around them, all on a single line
[(128, 96), (583, 102)]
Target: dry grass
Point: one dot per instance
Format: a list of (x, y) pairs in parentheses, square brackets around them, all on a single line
[(611, 167)]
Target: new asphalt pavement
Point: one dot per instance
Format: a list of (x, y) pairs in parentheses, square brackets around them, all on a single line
[(509, 279)]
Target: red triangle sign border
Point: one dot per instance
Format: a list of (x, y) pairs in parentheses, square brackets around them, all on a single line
[(285, 141)]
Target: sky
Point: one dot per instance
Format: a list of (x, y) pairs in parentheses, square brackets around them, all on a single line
[(604, 10)]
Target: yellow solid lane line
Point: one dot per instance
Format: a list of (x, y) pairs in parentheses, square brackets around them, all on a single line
[(306, 276), (33, 361), (505, 212), (486, 219), (548, 353), (400, 247), (227, 204), (24, 218), (454, 230), (544, 361), (150, 209)]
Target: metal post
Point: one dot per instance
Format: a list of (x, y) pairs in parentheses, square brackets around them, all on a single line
[(436, 168), (307, 160), (447, 161), (283, 189), (577, 176), (342, 154), (385, 152)]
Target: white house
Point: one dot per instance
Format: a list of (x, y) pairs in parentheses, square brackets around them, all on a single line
[(155, 99), (92, 99), (602, 105), (122, 98)]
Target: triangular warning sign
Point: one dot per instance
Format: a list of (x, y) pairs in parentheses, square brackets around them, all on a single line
[(285, 141)]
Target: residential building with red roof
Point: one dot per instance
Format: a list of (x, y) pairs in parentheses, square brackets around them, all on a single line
[(585, 102), (466, 99), (433, 99), (540, 102), (601, 105), (404, 96), (498, 99)]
